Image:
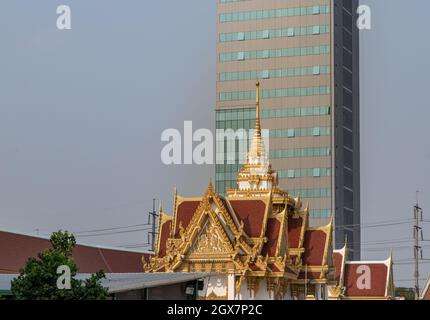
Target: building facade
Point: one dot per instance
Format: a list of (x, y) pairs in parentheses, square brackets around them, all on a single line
[(306, 54)]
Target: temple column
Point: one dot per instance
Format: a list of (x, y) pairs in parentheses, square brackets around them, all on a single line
[(231, 294)]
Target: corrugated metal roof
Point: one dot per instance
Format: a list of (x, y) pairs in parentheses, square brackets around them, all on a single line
[(121, 282), (127, 282)]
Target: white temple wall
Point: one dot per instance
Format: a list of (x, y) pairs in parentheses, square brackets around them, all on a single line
[(261, 294), (217, 285)]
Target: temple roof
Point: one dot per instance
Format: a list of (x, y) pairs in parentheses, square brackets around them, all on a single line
[(252, 212), (425, 295), (363, 279), (264, 236)]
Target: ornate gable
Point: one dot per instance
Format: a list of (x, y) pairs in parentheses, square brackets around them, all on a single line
[(210, 243), (212, 232)]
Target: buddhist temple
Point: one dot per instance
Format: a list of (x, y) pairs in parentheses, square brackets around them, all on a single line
[(255, 242)]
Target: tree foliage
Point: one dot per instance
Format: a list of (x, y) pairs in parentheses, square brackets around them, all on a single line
[(407, 293), (38, 279)]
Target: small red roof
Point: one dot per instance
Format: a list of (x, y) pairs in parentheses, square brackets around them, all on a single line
[(314, 244), (164, 236), (272, 234), (273, 267), (254, 267), (338, 261), (294, 231), (184, 214), (16, 249), (251, 212), (426, 291), (366, 279)]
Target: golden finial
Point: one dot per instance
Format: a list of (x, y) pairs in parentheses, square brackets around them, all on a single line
[(257, 95), (257, 148), (210, 186), (307, 207), (257, 105)]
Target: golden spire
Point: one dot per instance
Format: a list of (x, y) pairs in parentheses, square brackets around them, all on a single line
[(257, 147), (210, 186), (257, 109), (257, 174)]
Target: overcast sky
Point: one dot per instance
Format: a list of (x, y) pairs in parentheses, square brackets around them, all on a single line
[(82, 111)]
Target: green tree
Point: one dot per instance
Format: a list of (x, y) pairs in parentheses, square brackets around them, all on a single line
[(38, 279), (407, 293)]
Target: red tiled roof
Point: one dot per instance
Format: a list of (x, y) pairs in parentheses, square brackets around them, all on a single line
[(314, 245), (427, 295), (274, 268), (16, 249), (338, 263), (355, 277), (294, 231), (272, 234), (185, 213), (229, 210), (254, 267), (426, 291), (251, 212), (164, 236)]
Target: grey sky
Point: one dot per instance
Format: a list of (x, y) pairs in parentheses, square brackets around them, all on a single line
[(82, 111)]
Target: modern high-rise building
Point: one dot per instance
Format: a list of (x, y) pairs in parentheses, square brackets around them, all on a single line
[(305, 53)]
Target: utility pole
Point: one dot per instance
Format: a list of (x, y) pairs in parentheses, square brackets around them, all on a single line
[(154, 215), (418, 232)]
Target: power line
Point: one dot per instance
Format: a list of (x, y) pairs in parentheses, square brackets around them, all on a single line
[(386, 249), (117, 206), (111, 229), (369, 225), (393, 241), (112, 233), (411, 263), (382, 241), (394, 248), (376, 224), (408, 280), (410, 259)]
